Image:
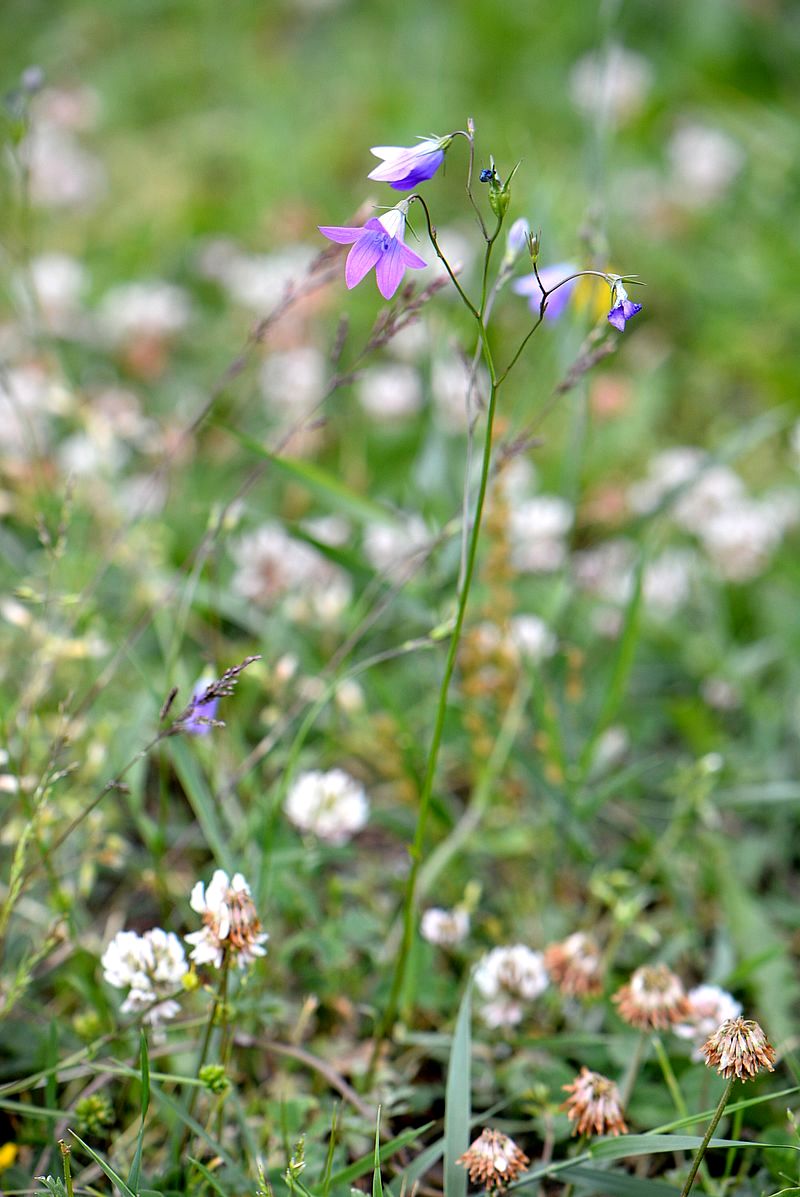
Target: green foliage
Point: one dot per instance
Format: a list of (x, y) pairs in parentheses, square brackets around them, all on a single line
[(635, 776)]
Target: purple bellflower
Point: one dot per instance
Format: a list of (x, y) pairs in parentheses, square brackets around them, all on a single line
[(202, 714), (406, 166), (550, 276), (517, 239), (622, 308), (380, 244)]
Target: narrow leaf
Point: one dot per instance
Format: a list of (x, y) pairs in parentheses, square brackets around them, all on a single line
[(136, 1166), (458, 1097), (320, 483), (377, 1185), (113, 1176)]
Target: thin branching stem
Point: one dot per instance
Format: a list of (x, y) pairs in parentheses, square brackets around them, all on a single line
[(426, 791)]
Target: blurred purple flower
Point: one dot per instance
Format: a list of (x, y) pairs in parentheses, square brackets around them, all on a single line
[(406, 166), (550, 276), (380, 244), (201, 714), (622, 308), (518, 236)]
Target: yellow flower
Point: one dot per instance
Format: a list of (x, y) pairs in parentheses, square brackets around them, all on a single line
[(8, 1155)]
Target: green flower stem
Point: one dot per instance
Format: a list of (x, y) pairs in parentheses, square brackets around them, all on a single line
[(63, 1147), (219, 1003), (629, 1080), (712, 1126), (669, 1077), (426, 791), (679, 1102)]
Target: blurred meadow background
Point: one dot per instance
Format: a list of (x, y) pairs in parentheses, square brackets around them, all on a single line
[(211, 451)]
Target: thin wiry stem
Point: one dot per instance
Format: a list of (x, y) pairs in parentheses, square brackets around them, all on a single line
[(712, 1126), (426, 791)]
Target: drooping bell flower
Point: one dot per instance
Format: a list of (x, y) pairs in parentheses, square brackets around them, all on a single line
[(380, 244), (622, 308), (404, 167)]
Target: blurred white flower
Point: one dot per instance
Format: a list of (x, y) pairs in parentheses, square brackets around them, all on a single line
[(709, 1007), (445, 928), (410, 343), (150, 308), (258, 283), (704, 162), (293, 382), (611, 84), (538, 530), (58, 282), (610, 749), (458, 248), (61, 173), (665, 472), (740, 540), (324, 598), (272, 566), (387, 546), (516, 480), (666, 582), (390, 392), (349, 696), (720, 694), (231, 923), (532, 637), (717, 490), (150, 967), (332, 805), (606, 570), (333, 530), (141, 495), (456, 392), (24, 411), (506, 977)]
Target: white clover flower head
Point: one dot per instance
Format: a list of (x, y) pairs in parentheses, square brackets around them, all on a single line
[(331, 805), (445, 928), (667, 580), (231, 923), (148, 308), (614, 81), (532, 637), (705, 161), (507, 977), (709, 1006), (538, 530), (741, 540), (390, 392), (150, 966)]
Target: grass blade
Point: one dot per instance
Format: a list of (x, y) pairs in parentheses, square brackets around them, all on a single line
[(136, 1166), (113, 1176), (377, 1184), (458, 1098)]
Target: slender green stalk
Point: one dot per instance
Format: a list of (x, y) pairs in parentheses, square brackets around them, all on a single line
[(679, 1101), (669, 1077), (626, 1088), (426, 791), (712, 1126), (64, 1148), (219, 1003)]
